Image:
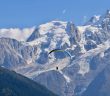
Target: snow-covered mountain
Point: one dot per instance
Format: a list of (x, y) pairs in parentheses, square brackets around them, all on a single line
[(55, 34), (15, 54), (89, 46)]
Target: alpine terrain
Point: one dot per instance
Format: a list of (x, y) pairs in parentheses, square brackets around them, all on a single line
[(84, 73)]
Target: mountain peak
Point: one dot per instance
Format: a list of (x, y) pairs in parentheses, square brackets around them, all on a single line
[(93, 20), (50, 28), (106, 15), (108, 12), (99, 20)]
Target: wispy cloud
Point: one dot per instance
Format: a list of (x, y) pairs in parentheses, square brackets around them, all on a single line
[(64, 11), (84, 19)]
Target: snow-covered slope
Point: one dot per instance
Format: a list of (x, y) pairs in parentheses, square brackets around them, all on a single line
[(71, 78), (15, 54), (88, 45), (52, 35)]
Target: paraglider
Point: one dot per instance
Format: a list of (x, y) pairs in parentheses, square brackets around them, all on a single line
[(65, 52), (61, 50), (55, 50)]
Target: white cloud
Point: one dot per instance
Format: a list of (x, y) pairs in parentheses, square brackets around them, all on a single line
[(16, 33)]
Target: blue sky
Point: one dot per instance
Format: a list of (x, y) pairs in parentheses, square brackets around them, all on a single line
[(28, 13)]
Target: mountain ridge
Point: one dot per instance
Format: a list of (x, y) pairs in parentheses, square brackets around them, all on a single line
[(13, 84)]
